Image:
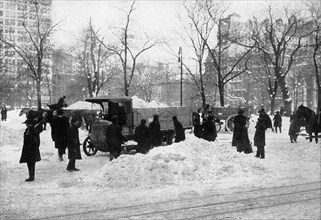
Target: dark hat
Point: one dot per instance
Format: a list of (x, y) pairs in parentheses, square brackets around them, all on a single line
[(210, 117), (174, 118), (262, 110), (114, 119), (155, 116), (240, 111), (143, 121), (75, 118)]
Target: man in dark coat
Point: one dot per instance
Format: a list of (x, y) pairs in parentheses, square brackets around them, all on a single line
[(61, 125), (73, 143), (30, 150), (114, 138), (155, 132), (277, 121), (142, 136), (259, 138), (179, 130), (240, 134), (266, 118), (209, 129)]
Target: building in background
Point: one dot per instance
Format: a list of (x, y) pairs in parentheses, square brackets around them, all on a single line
[(18, 24)]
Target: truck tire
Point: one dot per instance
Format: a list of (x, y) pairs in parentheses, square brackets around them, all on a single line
[(88, 147)]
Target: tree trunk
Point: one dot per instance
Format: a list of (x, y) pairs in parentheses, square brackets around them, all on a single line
[(272, 100), (39, 93), (221, 91), (286, 97)]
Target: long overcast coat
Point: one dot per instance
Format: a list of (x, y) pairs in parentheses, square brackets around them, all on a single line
[(240, 134), (209, 130), (179, 131), (73, 143), (31, 142), (155, 132)]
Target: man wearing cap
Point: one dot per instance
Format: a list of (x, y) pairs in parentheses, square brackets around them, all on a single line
[(30, 150), (141, 136)]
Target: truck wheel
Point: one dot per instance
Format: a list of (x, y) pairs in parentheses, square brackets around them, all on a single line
[(218, 126), (229, 126), (88, 147)]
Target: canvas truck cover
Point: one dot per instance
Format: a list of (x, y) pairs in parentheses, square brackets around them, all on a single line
[(184, 116)]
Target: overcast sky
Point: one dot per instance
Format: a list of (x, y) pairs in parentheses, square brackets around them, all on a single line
[(156, 17)]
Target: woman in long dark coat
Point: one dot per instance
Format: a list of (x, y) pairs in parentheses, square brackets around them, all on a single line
[(30, 150), (259, 138), (73, 143), (240, 135), (155, 132), (209, 129)]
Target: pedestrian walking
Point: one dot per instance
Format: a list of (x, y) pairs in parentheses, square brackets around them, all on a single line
[(142, 136), (266, 118), (73, 143), (30, 150), (209, 129), (240, 133), (155, 132), (114, 138), (179, 130), (277, 122), (259, 138), (61, 125)]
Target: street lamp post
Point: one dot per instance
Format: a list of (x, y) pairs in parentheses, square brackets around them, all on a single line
[(180, 59)]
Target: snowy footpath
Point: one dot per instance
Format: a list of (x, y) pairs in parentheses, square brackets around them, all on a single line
[(192, 179)]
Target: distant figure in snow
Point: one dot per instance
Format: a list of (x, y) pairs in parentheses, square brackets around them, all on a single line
[(240, 133), (155, 132), (209, 129), (277, 122), (266, 118), (293, 129), (142, 137), (73, 143)]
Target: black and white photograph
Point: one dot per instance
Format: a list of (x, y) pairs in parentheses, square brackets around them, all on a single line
[(160, 109)]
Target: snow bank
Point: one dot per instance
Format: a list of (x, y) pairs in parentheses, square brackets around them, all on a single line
[(84, 105), (194, 160)]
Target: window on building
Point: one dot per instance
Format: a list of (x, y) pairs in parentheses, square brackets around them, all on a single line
[(10, 6), (1, 4), (1, 13)]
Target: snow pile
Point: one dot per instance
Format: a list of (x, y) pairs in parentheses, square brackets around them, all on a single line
[(194, 160), (84, 105), (139, 103)]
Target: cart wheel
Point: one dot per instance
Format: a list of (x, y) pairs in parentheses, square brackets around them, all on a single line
[(218, 126), (88, 147), (229, 126)]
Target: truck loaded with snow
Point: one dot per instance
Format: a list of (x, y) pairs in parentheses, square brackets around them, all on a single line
[(129, 117)]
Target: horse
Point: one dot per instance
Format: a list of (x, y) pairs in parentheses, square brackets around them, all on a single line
[(39, 115), (311, 121)]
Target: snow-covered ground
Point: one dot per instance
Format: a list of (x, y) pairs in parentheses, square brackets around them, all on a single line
[(165, 172)]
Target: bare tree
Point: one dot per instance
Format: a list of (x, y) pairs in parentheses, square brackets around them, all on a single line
[(315, 15), (280, 40), (228, 60), (126, 49), (34, 48), (94, 61), (196, 32)]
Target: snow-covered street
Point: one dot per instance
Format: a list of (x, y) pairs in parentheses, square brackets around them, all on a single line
[(187, 171)]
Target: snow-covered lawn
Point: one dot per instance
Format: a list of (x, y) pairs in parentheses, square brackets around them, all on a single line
[(165, 172)]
